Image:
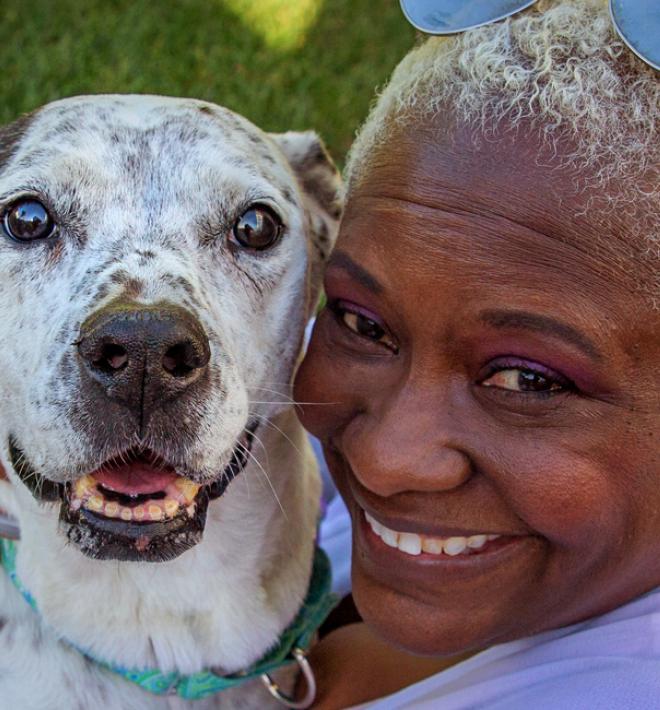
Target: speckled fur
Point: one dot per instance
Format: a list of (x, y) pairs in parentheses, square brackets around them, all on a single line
[(145, 191)]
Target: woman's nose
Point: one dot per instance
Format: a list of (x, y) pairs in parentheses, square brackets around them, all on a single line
[(408, 444)]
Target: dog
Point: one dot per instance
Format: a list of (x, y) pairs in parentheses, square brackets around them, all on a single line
[(159, 259)]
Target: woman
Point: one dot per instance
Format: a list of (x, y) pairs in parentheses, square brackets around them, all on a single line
[(487, 364)]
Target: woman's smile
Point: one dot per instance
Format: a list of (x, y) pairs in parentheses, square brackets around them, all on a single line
[(450, 544), (410, 560), (417, 553)]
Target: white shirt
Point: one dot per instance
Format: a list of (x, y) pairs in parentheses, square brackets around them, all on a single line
[(611, 662)]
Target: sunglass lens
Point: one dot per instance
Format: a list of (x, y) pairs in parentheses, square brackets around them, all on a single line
[(444, 17), (638, 23)]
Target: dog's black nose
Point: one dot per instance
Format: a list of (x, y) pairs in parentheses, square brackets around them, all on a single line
[(143, 355)]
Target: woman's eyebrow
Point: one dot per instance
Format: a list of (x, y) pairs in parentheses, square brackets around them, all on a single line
[(341, 260), (522, 320)]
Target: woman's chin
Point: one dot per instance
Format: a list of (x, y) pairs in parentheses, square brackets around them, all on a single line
[(406, 624)]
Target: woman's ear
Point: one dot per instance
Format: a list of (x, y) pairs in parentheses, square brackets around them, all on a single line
[(323, 197)]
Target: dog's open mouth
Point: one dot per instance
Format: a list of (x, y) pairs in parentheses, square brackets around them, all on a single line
[(138, 487), (135, 506)]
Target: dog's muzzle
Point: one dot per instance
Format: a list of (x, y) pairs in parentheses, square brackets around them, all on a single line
[(142, 369), (135, 506)]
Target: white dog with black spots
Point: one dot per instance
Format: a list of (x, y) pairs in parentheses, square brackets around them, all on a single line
[(159, 259)]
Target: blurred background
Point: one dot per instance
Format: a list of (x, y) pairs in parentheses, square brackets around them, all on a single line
[(285, 64)]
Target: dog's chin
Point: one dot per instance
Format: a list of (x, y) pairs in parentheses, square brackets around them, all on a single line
[(105, 538), (134, 507)]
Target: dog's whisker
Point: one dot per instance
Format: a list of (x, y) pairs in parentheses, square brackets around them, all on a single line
[(246, 478), (297, 403), (283, 397), (286, 385), (267, 422), (263, 447), (258, 441), (267, 477), (276, 391), (273, 402), (285, 394)]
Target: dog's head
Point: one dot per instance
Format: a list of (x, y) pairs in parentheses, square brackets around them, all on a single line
[(158, 261)]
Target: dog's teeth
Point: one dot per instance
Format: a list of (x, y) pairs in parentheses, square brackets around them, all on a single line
[(188, 488), (179, 495), (171, 507), (95, 503), (84, 485), (155, 512)]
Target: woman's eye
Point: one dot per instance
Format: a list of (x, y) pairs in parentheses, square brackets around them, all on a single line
[(257, 228), (28, 220), (364, 326), (518, 379)]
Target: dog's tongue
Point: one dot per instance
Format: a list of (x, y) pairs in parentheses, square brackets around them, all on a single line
[(137, 477)]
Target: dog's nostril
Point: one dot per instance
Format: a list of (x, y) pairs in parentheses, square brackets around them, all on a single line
[(113, 358), (143, 356), (181, 359)]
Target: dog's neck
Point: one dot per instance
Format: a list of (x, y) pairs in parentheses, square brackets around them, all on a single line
[(199, 610)]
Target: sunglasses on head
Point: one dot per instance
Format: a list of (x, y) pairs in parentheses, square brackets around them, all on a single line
[(636, 21)]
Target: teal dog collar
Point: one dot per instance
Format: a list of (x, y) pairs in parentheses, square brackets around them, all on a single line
[(291, 646)]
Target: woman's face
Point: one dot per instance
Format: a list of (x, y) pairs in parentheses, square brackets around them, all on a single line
[(484, 379)]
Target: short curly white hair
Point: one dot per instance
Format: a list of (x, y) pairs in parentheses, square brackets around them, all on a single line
[(558, 65)]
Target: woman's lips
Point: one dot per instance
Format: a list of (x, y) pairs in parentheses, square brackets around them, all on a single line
[(413, 544), (400, 557)]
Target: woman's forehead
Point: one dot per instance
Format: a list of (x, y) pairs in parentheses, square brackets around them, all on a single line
[(444, 218), (437, 164), (510, 182)]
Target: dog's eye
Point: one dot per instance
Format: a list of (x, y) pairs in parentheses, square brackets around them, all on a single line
[(27, 220), (257, 228)]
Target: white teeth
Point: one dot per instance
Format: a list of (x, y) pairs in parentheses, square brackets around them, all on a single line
[(377, 527), (454, 545), (476, 542), (389, 537), (410, 543), (432, 545), (413, 544)]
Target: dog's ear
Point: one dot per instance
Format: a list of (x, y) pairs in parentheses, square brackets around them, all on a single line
[(10, 136), (321, 188)]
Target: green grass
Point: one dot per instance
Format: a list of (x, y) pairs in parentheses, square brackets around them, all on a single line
[(285, 64)]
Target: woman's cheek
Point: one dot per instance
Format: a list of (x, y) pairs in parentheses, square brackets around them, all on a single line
[(320, 390)]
